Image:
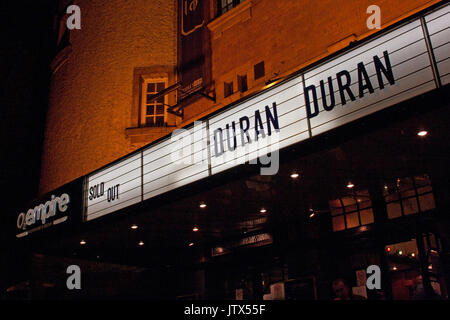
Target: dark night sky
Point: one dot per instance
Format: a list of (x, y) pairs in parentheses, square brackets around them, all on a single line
[(26, 48), (25, 51)]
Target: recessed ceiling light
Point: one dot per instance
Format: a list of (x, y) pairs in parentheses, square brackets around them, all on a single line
[(134, 226), (263, 210), (202, 205), (422, 133), (191, 244), (195, 229), (394, 268), (82, 242), (350, 185), (294, 175), (141, 243)]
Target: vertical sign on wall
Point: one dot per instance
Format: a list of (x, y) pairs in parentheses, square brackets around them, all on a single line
[(191, 56)]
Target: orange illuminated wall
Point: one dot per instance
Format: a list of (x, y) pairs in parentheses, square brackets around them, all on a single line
[(92, 117), (92, 100)]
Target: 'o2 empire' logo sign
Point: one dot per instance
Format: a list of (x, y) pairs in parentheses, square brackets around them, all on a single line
[(43, 212)]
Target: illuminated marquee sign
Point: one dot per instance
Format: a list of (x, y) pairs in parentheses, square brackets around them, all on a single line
[(439, 31), (116, 187), (388, 70), (391, 68)]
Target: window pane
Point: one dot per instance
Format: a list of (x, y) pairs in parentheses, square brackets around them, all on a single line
[(366, 216), (159, 109), (365, 204), (338, 223), (159, 121), (392, 197), (427, 202), (422, 180), (242, 83), (336, 211), (258, 70), (228, 89), (394, 210), (408, 193), (410, 206), (160, 100), (149, 121), (352, 220), (348, 201), (150, 110), (151, 87), (149, 100), (424, 190), (405, 184), (160, 86)]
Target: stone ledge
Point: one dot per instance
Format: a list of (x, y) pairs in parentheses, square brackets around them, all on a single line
[(240, 13), (139, 135)]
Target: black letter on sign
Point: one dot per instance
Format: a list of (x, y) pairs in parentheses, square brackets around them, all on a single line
[(233, 125), (272, 119), (258, 123), (244, 130), (345, 86), (218, 140), (386, 71), (324, 94), (310, 114), (362, 73)]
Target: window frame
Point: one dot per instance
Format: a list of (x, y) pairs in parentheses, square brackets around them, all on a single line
[(143, 105), (359, 208), (229, 7), (396, 192)]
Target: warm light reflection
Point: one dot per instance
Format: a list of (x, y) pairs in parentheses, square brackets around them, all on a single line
[(422, 133), (195, 229), (350, 185), (294, 175), (134, 227), (191, 244), (141, 243), (82, 242), (263, 210), (202, 205)]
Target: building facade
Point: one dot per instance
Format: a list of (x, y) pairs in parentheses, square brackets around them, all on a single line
[(312, 146)]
